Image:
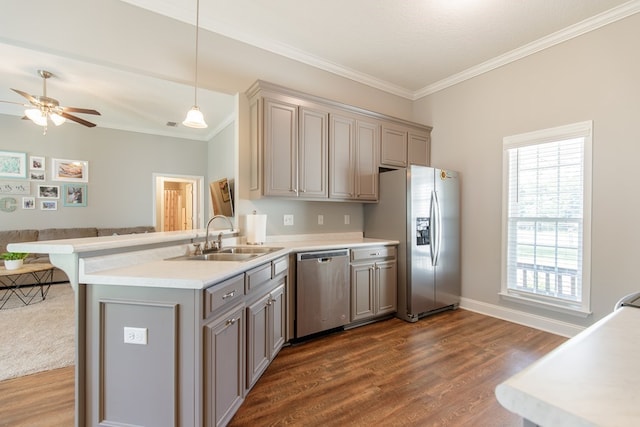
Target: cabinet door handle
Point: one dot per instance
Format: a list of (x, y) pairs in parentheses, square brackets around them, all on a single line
[(230, 322), (229, 295)]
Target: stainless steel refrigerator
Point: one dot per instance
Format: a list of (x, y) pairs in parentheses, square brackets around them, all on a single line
[(420, 207)]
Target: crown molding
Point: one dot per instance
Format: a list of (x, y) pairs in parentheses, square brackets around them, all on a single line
[(623, 11), (615, 14)]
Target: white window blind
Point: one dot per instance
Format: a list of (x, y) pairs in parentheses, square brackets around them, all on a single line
[(546, 216)]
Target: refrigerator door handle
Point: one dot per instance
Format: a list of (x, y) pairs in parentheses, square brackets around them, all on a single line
[(436, 226), (432, 228)]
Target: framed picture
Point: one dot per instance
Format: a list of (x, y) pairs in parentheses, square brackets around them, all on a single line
[(75, 195), (36, 163), (36, 175), (49, 191), (70, 170), (7, 187), (49, 205), (13, 164), (28, 203)]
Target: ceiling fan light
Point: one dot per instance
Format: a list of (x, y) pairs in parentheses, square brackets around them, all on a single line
[(195, 119), (36, 116), (57, 119)]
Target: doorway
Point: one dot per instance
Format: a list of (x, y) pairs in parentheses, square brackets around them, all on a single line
[(179, 201)]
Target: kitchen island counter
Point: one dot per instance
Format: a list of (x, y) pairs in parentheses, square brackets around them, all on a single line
[(162, 340), (134, 260), (587, 381)]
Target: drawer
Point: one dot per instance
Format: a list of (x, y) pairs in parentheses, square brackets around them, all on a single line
[(257, 277), (223, 294), (374, 252), (280, 265)]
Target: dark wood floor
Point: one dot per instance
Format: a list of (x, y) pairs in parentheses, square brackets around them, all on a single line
[(440, 371), (40, 400)]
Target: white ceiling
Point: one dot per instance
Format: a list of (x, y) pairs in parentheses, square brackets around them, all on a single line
[(408, 48)]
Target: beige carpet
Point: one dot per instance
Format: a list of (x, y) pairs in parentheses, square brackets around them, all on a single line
[(38, 337)]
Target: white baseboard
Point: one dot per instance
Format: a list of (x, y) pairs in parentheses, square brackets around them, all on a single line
[(534, 321)]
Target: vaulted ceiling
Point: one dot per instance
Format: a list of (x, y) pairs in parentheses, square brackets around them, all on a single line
[(407, 48)]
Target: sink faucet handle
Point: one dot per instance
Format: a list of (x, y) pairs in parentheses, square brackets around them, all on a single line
[(197, 249)]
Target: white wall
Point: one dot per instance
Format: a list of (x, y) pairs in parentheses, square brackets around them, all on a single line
[(121, 165), (593, 77)]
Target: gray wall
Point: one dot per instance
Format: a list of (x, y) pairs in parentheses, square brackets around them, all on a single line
[(593, 77), (121, 165)]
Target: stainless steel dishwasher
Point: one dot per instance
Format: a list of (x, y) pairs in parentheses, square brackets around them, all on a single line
[(322, 291)]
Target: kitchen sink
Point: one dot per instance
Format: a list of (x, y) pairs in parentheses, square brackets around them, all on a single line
[(259, 250), (230, 253), (221, 256)]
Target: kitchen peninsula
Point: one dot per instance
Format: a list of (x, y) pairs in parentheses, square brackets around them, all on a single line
[(166, 341)]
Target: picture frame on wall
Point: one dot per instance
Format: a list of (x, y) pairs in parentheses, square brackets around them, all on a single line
[(48, 205), (28, 202), (69, 170), (36, 163), (48, 191), (75, 195), (18, 187), (37, 175), (13, 164)]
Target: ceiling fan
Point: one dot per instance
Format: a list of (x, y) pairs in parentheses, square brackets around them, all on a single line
[(41, 109)]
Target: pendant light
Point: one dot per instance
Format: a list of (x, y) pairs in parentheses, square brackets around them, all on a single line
[(194, 118)]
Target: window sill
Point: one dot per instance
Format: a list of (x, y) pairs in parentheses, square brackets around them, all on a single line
[(533, 302)]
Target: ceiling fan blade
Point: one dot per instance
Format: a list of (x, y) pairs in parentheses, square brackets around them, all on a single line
[(80, 110), (77, 119), (17, 103), (31, 99)]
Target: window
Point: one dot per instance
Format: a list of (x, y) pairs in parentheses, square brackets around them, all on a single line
[(546, 217)]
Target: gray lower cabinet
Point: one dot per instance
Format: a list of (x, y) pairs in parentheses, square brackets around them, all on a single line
[(224, 339), (187, 362), (152, 381), (373, 282), (265, 331)]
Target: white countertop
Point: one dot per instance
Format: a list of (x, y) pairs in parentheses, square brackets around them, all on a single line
[(110, 260), (91, 244), (589, 380)]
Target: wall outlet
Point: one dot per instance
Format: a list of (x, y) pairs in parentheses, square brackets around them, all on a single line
[(288, 219), (135, 335), (320, 219), (347, 219)]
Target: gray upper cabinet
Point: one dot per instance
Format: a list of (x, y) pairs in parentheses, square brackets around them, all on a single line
[(309, 148), (313, 153), (393, 148), (295, 150), (342, 157), (353, 158), (280, 148), (418, 148), (403, 145)]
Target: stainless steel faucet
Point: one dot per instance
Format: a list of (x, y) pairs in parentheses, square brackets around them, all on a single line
[(207, 245)]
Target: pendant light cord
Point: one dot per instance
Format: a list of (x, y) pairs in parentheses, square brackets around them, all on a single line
[(195, 89)]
